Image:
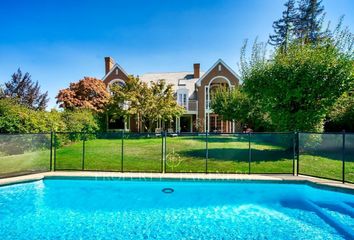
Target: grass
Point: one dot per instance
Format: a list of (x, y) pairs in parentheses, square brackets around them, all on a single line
[(24, 163), (326, 166), (226, 154)]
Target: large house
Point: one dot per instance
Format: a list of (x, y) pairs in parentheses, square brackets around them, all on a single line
[(192, 90)]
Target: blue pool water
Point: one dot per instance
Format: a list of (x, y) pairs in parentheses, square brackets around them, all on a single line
[(99, 209)]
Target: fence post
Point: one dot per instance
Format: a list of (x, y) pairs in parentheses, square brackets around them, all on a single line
[(55, 151), (51, 151), (83, 152), (122, 149), (343, 157), (294, 152), (206, 151), (249, 153), (297, 153), (163, 151)]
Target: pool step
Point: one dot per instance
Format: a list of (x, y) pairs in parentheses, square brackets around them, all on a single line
[(338, 207), (347, 232), (351, 205)]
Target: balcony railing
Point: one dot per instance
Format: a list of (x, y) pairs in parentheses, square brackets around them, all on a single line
[(191, 106)]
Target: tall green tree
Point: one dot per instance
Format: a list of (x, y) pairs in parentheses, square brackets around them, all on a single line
[(283, 28), (25, 91), (341, 116), (166, 107), (309, 19), (149, 103), (298, 88), (235, 105), (124, 98)]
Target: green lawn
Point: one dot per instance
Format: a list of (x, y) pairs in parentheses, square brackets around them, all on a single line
[(24, 163), (226, 154), (326, 167)]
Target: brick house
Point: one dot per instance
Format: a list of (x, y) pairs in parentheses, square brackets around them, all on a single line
[(192, 90)]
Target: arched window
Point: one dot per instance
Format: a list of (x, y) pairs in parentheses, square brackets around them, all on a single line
[(118, 82)]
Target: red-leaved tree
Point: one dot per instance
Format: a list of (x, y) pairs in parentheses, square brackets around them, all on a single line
[(88, 93)]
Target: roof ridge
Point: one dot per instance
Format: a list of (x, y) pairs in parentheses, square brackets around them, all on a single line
[(167, 72)]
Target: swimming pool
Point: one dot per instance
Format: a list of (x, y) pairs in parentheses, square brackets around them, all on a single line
[(134, 209)]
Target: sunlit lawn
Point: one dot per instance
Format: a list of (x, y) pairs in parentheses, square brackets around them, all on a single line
[(226, 154), (326, 167)]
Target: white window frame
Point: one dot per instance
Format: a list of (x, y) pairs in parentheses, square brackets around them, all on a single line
[(183, 98)]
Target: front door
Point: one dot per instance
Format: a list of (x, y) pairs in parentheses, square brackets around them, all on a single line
[(185, 123)]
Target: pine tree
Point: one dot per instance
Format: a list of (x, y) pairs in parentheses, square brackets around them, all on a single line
[(284, 26), (309, 20), (26, 92)]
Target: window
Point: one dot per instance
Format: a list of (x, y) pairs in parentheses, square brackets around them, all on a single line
[(115, 82), (118, 83), (182, 99)]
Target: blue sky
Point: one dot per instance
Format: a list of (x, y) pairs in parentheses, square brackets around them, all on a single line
[(60, 42)]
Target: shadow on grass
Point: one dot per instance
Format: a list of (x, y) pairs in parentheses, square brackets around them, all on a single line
[(329, 155), (283, 141), (213, 139), (239, 155)]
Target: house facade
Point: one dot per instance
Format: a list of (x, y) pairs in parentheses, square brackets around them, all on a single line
[(193, 91)]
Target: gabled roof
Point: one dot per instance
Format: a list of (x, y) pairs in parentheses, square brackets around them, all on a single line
[(220, 61), (169, 77), (179, 80), (116, 65)]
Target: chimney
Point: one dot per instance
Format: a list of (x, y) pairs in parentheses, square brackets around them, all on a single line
[(196, 67), (109, 63)]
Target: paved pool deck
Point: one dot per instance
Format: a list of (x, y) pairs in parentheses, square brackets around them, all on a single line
[(178, 176)]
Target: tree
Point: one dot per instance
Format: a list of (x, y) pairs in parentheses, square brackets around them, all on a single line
[(2, 94), (25, 91), (283, 28), (309, 20), (80, 120), (88, 93), (17, 118), (166, 105), (341, 116), (125, 98), (149, 103), (235, 105), (298, 88)]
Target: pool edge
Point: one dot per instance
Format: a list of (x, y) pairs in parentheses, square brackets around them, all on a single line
[(311, 181)]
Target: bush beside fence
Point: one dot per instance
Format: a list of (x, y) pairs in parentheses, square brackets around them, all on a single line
[(325, 155)]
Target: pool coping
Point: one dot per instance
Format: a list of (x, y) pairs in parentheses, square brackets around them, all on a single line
[(286, 178)]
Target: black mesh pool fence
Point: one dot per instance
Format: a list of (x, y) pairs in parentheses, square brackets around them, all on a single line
[(323, 155), (24, 153)]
